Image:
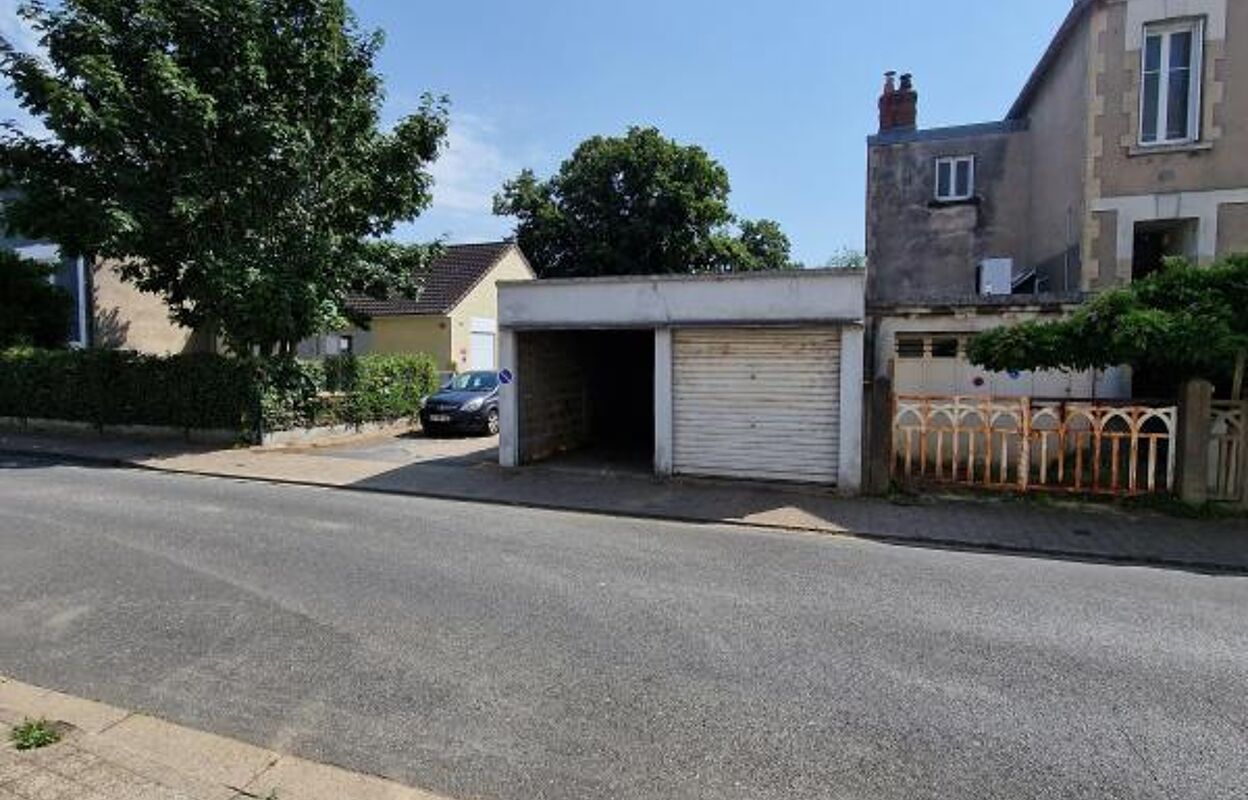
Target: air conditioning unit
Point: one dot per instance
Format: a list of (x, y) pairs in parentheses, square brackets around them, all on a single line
[(996, 276)]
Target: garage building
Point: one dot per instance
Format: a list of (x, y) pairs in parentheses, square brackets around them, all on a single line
[(754, 376)]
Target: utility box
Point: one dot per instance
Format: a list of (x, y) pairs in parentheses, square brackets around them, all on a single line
[(996, 276)]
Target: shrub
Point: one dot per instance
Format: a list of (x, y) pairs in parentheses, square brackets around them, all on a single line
[(379, 388), (108, 387), (208, 391)]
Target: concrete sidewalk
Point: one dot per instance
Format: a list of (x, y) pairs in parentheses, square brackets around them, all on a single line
[(108, 753), (1068, 530)]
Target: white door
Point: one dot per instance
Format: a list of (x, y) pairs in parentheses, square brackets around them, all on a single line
[(481, 346), (757, 403)]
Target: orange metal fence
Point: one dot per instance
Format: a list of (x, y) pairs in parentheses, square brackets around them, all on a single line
[(1035, 445)]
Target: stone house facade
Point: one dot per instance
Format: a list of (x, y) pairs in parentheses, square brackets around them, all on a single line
[(1128, 144)]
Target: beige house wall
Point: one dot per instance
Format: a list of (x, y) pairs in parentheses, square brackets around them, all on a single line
[(123, 318), (1233, 228), (413, 334), (1139, 184), (482, 303), (446, 337)]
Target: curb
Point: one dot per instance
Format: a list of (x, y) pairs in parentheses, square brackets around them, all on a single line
[(931, 543), (193, 763)]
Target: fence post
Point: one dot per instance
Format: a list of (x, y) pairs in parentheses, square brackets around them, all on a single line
[(1195, 429), (1024, 444), (1243, 455)]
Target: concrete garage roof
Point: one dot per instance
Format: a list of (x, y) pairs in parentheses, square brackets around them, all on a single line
[(828, 296)]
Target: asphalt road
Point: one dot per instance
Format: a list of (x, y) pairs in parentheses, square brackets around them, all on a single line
[(493, 652)]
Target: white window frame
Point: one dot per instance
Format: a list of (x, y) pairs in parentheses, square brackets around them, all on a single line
[(80, 276), (1166, 30), (954, 162)]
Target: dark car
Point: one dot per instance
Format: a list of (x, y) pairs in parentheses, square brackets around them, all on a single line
[(469, 402)]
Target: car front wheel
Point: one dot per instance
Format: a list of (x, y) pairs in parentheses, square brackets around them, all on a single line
[(491, 422)]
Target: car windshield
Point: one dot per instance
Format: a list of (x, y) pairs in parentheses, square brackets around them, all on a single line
[(474, 382)]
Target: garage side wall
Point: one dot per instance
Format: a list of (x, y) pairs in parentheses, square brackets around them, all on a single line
[(552, 373)]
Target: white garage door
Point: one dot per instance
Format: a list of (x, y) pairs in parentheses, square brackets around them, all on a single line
[(482, 344), (757, 403)]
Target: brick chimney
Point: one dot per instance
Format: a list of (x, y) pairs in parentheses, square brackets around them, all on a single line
[(899, 105), (907, 108), (888, 102)]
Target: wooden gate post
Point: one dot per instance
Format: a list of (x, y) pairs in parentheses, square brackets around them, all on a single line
[(880, 449), (1195, 429), (1243, 455)]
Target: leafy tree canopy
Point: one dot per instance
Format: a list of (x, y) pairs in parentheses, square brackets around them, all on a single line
[(33, 312), (227, 152), (847, 258), (637, 204), (1181, 323)]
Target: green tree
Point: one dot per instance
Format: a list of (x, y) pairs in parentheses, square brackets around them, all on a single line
[(765, 245), (847, 258), (33, 312), (1181, 323), (227, 152), (637, 204)]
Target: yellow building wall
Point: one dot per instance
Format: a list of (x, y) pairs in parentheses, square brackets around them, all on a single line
[(482, 303), (423, 334)]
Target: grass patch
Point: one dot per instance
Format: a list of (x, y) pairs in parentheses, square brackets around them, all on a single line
[(34, 734)]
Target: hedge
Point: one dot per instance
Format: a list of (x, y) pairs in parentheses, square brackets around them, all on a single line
[(208, 391), (108, 387)]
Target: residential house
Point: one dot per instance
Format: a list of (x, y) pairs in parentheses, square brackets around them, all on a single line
[(454, 317), (1128, 143), (109, 312)]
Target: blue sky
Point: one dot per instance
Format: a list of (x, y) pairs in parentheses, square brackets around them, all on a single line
[(782, 93)]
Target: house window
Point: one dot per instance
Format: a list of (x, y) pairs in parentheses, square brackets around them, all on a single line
[(921, 346), (70, 274), (945, 347), (346, 345), (1170, 94), (955, 178), (909, 347)]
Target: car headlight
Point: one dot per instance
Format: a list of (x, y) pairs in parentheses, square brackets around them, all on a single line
[(473, 404)]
